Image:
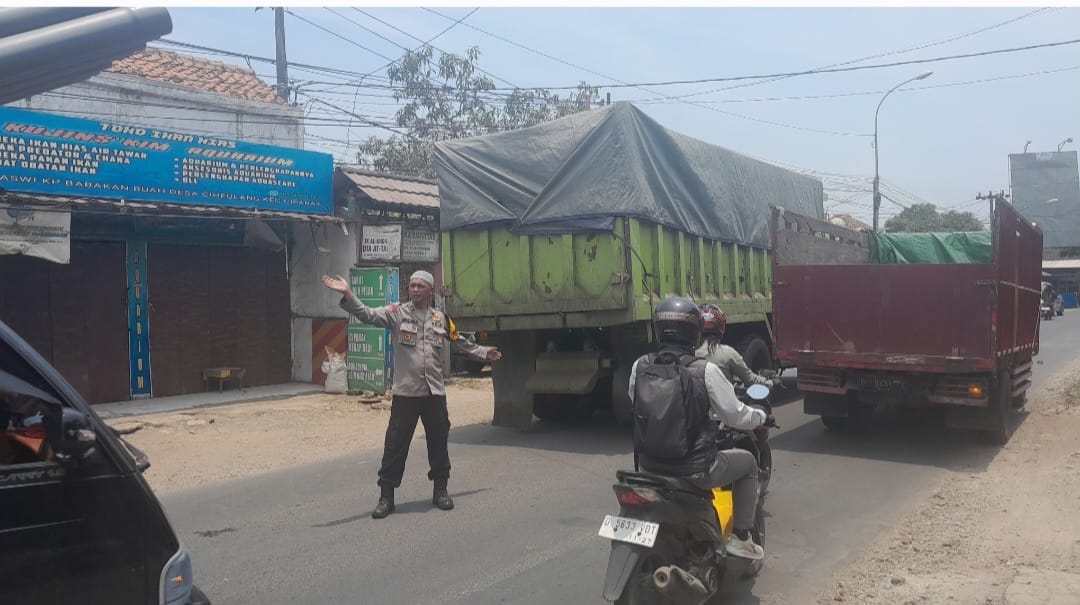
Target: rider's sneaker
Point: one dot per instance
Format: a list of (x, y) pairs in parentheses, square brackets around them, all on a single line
[(744, 548)]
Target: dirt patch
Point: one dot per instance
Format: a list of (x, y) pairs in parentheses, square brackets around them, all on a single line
[(208, 445), (990, 538)]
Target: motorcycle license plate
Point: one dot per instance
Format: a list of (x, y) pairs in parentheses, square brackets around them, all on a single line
[(629, 530)]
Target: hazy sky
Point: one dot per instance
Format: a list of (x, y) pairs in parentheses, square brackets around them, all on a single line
[(941, 144)]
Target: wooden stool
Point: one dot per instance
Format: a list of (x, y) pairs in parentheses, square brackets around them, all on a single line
[(221, 375)]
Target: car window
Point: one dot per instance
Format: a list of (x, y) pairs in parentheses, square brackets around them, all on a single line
[(29, 408)]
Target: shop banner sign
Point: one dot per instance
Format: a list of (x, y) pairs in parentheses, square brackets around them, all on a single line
[(419, 246), (60, 155), (44, 233), (381, 242)]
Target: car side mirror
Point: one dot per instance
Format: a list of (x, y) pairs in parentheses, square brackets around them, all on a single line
[(77, 441)]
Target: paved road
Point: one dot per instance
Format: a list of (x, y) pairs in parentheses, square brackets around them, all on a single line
[(529, 506)]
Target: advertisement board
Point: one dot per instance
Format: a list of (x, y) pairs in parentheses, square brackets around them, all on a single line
[(44, 233), (61, 155), (381, 242)]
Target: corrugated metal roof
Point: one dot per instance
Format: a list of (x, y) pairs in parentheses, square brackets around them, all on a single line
[(393, 189), (9, 197)]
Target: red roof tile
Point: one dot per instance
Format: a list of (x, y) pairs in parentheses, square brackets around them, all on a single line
[(201, 74)]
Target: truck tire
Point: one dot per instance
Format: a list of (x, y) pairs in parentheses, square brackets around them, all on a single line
[(755, 352), (859, 415), (474, 368), (563, 408), (835, 423), (1001, 408), (621, 406)]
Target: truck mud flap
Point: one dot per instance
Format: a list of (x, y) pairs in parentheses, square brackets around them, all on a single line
[(621, 565)]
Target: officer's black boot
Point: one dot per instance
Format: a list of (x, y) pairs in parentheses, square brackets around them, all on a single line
[(385, 505), (440, 498)]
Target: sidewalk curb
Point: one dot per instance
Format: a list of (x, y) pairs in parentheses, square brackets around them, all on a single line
[(126, 409)]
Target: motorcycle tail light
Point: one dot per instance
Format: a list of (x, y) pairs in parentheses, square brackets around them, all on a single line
[(636, 496)]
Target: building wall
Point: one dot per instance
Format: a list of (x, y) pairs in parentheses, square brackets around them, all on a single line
[(133, 100), (130, 99), (316, 251)]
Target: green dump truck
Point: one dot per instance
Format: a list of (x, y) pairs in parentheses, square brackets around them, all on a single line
[(558, 240)]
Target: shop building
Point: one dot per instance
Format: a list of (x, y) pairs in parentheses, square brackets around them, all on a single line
[(151, 220)]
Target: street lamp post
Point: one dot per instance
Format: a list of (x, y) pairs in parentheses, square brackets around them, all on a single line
[(1026, 146), (1062, 144), (877, 176)]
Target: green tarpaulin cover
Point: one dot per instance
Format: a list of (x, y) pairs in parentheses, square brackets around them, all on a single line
[(932, 248)]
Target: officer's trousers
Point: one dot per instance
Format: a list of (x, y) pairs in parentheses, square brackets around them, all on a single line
[(404, 412)]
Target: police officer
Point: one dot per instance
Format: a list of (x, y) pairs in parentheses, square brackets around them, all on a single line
[(420, 334)]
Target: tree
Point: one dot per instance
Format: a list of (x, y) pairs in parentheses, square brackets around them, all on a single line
[(449, 98), (923, 218)]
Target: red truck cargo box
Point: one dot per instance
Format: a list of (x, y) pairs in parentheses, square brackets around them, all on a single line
[(832, 308)]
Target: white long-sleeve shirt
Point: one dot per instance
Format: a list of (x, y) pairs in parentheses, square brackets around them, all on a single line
[(722, 400)]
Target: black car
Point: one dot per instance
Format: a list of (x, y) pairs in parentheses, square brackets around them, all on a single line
[(78, 522)]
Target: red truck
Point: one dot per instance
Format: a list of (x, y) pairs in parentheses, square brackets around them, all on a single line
[(867, 327)]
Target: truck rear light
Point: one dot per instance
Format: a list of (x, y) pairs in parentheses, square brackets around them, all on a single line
[(636, 496), (960, 389)]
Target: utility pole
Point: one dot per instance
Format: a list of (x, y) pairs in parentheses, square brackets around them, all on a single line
[(280, 60), (994, 198)]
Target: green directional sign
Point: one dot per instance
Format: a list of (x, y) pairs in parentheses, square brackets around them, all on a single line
[(370, 356), (366, 375), (370, 285), (366, 342)]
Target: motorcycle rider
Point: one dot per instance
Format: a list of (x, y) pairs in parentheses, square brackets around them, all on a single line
[(726, 358), (677, 323)]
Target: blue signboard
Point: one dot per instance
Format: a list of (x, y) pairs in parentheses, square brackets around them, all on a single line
[(61, 155), (138, 319)]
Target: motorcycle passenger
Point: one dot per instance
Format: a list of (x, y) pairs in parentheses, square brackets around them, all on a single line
[(678, 326), (725, 357)]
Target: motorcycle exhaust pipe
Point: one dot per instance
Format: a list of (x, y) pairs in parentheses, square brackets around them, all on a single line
[(672, 577)]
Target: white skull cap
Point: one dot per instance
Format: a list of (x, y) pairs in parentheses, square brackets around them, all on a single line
[(424, 275)]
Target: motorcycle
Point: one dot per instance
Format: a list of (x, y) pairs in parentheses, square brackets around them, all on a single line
[(1046, 311), (667, 542)]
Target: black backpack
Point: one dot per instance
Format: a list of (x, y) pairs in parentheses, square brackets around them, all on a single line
[(664, 428)]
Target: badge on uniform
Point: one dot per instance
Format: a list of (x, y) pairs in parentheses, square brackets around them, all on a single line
[(435, 317)]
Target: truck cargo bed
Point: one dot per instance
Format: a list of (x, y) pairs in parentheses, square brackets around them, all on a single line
[(832, 308)]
